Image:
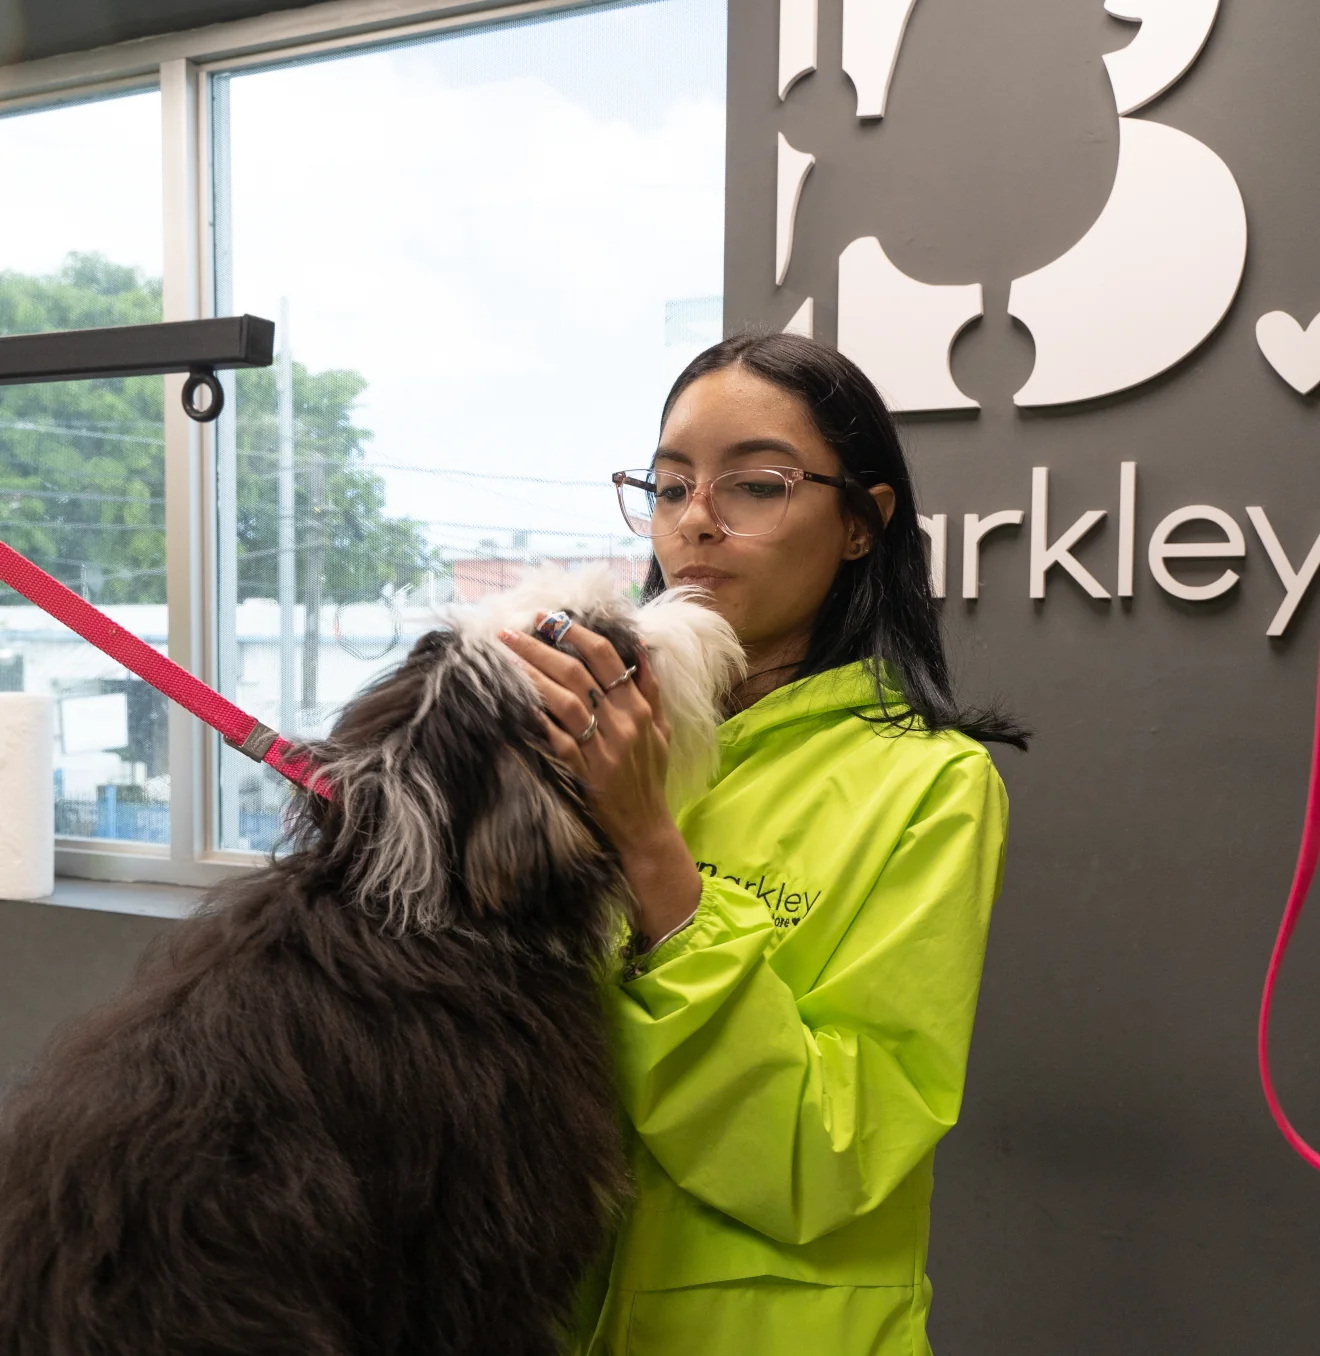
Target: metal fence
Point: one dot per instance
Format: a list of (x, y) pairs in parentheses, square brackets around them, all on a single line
[(138, 821)]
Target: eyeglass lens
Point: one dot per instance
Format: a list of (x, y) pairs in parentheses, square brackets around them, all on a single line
[(747, 503)]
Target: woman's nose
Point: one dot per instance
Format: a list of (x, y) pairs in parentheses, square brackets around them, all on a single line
[(698, 521)]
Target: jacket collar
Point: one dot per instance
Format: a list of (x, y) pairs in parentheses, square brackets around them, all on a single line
[(848, 688)]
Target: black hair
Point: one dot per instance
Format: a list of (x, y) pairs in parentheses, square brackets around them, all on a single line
[(880, 608)]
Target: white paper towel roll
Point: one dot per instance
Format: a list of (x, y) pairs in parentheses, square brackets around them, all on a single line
[(27, 796)]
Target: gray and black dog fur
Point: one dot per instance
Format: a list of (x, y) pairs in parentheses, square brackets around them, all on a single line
[(361, 1103)]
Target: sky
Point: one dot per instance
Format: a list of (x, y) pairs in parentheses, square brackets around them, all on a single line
[(488, 227)]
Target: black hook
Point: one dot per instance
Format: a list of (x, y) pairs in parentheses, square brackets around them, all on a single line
[(197, 378)]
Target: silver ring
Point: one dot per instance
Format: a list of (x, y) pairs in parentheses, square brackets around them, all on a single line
[(624, 677), (587, 733)]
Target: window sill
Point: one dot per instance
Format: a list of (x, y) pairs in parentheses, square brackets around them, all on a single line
[(107, 896)]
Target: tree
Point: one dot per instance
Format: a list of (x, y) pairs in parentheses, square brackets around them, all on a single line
[(82, 463)]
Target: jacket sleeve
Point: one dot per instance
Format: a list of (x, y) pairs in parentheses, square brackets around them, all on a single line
[(797, 1115)]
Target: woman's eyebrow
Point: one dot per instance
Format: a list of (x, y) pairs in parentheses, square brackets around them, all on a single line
[(739, 449)]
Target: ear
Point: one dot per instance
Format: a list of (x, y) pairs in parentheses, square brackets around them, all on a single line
[(532, 837), (859, 537)]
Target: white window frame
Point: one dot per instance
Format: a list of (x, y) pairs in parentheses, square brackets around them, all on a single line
[(181, 65)]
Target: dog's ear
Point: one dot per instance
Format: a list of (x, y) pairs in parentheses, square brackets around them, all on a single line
[(533, 842), (410, 758), (447, 798)]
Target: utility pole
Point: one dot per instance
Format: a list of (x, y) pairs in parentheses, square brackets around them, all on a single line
[(287, 576), (314, 573)]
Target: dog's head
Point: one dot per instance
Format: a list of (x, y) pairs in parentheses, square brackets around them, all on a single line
[(449, 808)]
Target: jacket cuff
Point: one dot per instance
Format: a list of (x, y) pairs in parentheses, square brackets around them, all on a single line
[(723, 911)]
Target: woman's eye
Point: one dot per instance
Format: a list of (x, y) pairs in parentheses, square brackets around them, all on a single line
[(760, 489), (671, 494)]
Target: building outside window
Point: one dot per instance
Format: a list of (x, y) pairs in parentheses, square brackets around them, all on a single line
[(489, 247), (82, 463)]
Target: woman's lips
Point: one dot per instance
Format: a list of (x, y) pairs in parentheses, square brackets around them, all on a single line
[(701, 578)]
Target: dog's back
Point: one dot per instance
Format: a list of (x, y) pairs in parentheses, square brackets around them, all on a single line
[(361, 1106), (299, 1134)]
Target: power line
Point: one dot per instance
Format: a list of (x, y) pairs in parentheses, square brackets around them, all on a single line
[(7, 493), (57, 525), (27, 426)]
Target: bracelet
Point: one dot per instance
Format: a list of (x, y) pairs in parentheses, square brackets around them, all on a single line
[(640, 946)]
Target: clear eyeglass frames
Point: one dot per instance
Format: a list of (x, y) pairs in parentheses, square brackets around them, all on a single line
[(745, 503)]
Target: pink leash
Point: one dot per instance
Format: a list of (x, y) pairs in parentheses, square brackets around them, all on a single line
[(263, 745), (1306, 864), (240, 730)]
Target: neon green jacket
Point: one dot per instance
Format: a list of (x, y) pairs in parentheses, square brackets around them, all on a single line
[(790, 1060)]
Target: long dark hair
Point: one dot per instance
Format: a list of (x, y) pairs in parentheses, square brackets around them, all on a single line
[(880, 608)]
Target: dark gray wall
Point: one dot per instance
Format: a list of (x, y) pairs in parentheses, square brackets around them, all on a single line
[(1116, 1185), (56, 963)]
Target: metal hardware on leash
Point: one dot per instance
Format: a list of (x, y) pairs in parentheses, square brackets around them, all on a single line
[(257, 744)]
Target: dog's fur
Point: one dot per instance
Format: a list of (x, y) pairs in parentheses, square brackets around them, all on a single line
[(362, 1102)]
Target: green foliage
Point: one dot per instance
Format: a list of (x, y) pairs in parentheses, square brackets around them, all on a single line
[(82, 463), (362, 548)]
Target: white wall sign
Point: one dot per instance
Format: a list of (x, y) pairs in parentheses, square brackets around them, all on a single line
[(872, 34), (1148, 282), (797, 42), (1233, 547), (1293, 352), (804, 319), (794, 166), (1173, 32), (899, 331), (1049, 559)]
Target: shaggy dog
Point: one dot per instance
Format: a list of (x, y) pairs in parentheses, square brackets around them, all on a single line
[(361, 1103)]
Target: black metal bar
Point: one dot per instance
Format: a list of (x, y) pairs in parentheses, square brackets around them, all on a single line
[(138, 350)]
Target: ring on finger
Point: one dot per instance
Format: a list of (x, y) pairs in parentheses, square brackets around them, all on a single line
[(588, 732), (624, 677)]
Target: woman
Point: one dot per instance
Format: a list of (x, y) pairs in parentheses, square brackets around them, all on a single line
[(793, 1025)]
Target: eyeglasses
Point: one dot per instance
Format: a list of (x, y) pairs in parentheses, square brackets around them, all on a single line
[(746, 503)]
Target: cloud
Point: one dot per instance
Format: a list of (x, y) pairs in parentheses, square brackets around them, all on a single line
[(494, 256)]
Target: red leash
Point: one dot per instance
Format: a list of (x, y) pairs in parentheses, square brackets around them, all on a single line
[(240, 730), (1306, 864)]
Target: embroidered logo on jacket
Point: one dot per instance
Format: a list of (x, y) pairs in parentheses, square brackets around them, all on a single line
[(788, 906)]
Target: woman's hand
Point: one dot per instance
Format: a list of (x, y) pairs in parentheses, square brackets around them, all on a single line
[(623, 764)]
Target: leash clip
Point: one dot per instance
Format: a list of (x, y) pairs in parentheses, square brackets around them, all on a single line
[(257, 744)]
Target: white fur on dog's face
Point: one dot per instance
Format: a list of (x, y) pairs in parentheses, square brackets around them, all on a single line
[(695, 653), (431, 788)]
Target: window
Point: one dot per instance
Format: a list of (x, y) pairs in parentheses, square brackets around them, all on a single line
[(488, 255), (82, 463)]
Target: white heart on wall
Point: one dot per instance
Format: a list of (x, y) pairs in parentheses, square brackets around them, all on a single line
[(1293, 352)]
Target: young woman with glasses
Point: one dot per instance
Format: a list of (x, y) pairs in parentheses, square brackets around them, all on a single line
[(792, 1028)]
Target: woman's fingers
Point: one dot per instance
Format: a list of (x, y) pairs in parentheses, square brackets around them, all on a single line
[(564, 705), (565, 747), (601, 658), (560, 668)]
